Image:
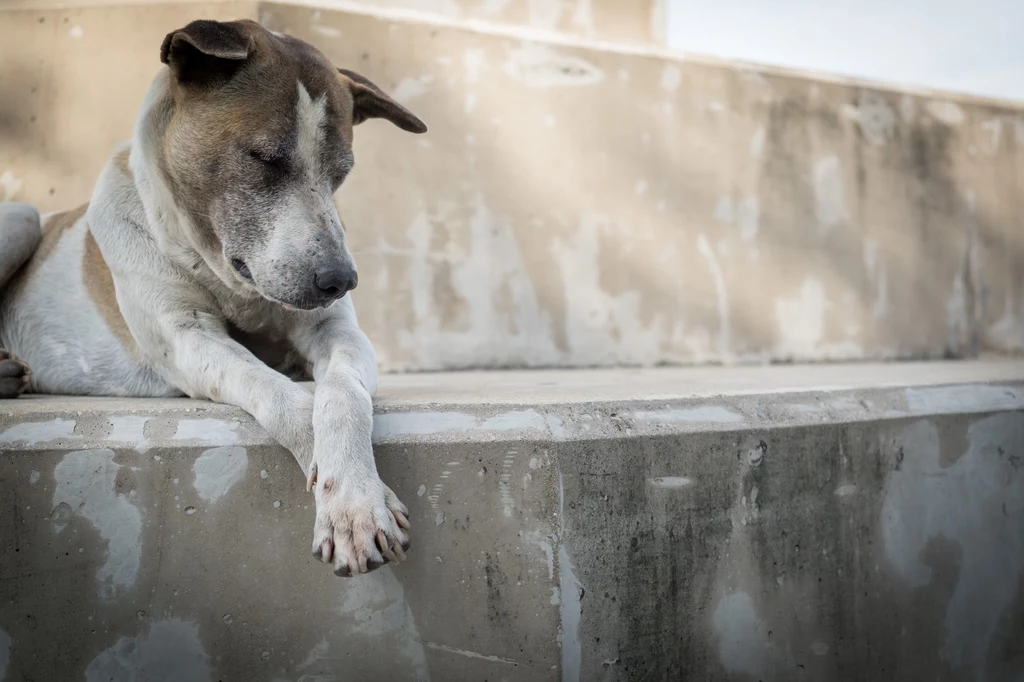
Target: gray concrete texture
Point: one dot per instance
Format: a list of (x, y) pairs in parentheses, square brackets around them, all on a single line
[(580, 203), (636, 21), (837, 525)]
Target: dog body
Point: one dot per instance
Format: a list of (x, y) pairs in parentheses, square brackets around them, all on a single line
[(60, 315), (212, 262)]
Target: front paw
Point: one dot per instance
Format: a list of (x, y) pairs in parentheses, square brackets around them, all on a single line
[(360, 523)]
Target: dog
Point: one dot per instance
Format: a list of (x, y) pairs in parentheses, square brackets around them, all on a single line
[(211, 262)]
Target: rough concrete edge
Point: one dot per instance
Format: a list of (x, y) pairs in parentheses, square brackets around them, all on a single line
[(71, 5), (754, 411), (528, 34), (197, 424)]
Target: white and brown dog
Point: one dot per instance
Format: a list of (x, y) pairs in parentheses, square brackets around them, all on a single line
[(211, 261)]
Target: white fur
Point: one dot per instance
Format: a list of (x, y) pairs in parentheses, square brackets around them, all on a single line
[(56, 328), (310, 115)]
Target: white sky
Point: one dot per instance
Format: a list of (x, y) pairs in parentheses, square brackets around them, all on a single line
[(974, 46)]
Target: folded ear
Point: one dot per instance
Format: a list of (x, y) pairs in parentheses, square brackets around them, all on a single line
[(369, 101), (205, 51)]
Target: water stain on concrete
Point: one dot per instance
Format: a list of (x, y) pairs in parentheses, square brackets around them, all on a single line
[(217, 470), (170, 650), (86, 485), (33, 433), (925, 500)]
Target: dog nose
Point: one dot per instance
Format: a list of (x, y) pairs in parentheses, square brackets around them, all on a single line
[(334, 283)]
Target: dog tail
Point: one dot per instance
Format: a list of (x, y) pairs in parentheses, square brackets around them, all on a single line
[(20, 234)]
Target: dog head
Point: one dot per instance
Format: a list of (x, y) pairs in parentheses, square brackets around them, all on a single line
[(257, 140)]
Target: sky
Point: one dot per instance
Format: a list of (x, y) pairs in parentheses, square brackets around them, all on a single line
[(973, 46)]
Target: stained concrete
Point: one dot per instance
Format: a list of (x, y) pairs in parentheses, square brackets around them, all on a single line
[(583, 203), (636, 21), (840, 522), (592, 205)]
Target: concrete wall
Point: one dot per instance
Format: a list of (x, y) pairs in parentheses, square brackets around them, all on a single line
[(578, 204), (634, 21), (773, 534), (574, 207)]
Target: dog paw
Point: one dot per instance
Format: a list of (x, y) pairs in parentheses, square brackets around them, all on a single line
[(360, 523), (14, 375)]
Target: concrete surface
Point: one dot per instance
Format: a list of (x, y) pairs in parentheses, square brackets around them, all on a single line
[(636, 21), (585, 203), (840, 522)]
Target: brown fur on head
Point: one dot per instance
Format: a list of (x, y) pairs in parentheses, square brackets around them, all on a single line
[(258, 141)]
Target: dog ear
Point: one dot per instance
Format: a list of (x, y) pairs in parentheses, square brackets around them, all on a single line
[(369, 101), (206, 51)]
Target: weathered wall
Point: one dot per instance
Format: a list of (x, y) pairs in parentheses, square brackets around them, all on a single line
[(867, 534), (575, 206), (581, 206), (634, 21)]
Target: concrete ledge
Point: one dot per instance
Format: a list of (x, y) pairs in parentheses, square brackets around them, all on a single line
[(774, 523), (550, 406)]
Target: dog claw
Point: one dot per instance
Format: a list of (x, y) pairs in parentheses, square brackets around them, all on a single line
[(326, 551), (386, 551), (353, 528)]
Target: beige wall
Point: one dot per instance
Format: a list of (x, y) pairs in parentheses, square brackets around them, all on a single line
[(577, 206), (640, 21), (634, 21)]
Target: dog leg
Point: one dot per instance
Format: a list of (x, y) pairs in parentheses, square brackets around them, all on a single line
[(360, 522), (205, 362)]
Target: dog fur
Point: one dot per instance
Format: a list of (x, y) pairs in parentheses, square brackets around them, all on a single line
[(211, 261)]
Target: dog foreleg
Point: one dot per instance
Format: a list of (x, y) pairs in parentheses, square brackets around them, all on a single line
[(360, 522), (204, 362)]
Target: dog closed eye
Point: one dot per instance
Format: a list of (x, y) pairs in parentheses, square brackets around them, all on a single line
[(270, 160)]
